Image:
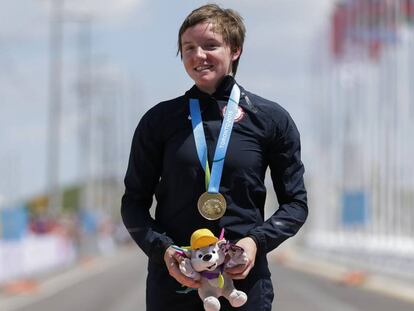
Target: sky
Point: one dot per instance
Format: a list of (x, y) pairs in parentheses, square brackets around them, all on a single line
[(133, 50)]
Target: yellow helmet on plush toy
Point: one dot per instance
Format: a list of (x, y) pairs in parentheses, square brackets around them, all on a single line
[(202, 238)]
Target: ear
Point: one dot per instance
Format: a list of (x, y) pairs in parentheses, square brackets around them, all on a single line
[(235, 250), (236, 54), (223, 246)]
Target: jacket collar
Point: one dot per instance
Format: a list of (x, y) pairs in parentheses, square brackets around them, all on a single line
[(222, 93)]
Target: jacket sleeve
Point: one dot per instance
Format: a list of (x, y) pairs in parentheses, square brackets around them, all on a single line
[(142, 176), (287, 172)]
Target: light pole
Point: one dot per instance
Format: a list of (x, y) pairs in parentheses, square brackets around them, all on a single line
[(55, 106)]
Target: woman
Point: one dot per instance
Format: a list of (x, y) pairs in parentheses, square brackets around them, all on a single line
[(193, 155)]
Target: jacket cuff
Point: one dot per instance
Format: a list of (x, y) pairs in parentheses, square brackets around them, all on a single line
[(158, 250)]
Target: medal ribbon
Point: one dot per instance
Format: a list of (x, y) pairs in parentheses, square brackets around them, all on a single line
[(213, 180)]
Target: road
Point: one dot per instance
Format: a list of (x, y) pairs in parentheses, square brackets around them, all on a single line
[(118, 283)]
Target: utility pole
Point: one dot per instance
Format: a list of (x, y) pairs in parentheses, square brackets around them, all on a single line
[(85, 109), (55, 106)]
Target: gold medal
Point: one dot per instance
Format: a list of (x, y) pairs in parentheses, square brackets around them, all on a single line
[(212, 206)]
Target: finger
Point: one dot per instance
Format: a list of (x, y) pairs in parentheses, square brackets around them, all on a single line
[(177, 256), (186, 281), (175, 272), (236, 269), (242, 275), (190, 282), (241, 271)]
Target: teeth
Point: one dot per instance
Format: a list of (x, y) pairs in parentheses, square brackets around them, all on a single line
[(200, 68)]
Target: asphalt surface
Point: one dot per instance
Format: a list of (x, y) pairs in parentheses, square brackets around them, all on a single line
[(117, 282)]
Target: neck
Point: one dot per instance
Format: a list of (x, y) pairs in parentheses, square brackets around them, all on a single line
[(209, 91), (212, 90)]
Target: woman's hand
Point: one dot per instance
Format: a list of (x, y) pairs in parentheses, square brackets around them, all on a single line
[(172, 261), (241, 271)]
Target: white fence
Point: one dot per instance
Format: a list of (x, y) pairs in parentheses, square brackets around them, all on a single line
[(34, 254), (361, 164)]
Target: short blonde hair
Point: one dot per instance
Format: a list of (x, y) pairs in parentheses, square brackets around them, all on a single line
[(226, 22)]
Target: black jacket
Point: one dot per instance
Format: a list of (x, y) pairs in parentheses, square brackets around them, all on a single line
[(164, 162)]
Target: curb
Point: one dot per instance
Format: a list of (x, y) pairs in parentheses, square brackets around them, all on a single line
[(301, 261)]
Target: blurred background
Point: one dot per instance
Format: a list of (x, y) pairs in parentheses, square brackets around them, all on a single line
[(77, 75)]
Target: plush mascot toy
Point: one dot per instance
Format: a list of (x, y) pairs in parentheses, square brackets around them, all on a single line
[(205, 260)]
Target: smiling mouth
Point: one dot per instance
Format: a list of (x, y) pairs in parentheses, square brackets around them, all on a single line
[(213, 266), (201, 68)]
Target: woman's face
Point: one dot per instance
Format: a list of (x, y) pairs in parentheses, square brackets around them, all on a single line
[(206, 57)]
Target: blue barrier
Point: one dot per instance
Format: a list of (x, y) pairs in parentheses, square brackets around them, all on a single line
[(14, 222), (354, 208)]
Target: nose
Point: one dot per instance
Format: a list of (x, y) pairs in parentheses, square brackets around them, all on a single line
[(200, 52), (207, 257)]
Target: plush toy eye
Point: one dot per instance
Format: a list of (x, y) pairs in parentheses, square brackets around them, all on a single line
[(213, 252), (200, 256)]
